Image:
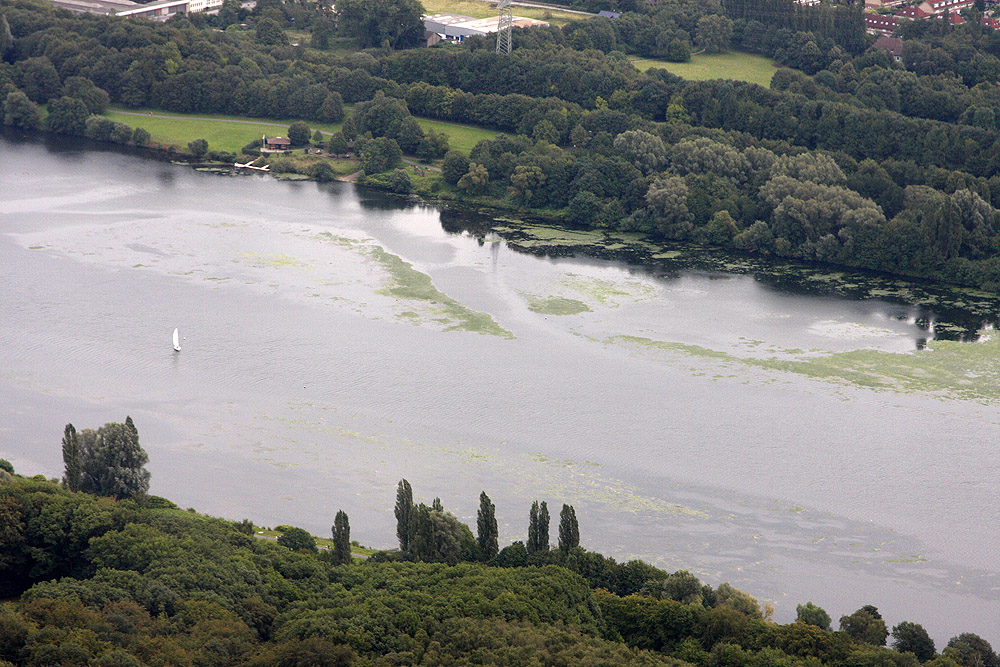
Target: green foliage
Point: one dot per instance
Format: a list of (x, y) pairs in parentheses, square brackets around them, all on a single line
[(971, 650), (140, 137), (475, 181), (21, 112), (538, 528), (332, 109), (454, 167), (714, 33), (912, 638), (198, 147), (341, 538), (299, 133), (865, 626), (812, 615), (6, 466), (569, 529), (41, 80), (95, 98), (298, 539), (399, 182), (6, 38), (337, 144), (67, 115), (323, 172), (269, 33), (378, 155), (404, 514), (120, 584), (486, 524), (375, 22), (106, 462)]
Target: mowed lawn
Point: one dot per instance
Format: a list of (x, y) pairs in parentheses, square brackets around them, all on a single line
[(231, 133), (732, 65), (480, 10)]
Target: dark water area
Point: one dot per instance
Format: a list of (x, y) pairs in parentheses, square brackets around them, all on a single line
[(701, 411)]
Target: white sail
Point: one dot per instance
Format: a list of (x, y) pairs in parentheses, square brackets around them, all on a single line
[(177, 340)]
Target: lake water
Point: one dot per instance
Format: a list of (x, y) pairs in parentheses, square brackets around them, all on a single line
[(336, 340)]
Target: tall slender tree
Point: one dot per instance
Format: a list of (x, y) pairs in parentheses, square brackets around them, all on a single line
[(71, 458), (486, 522), (531, 546), (569, 529), (404, 514), (341, 539), (543, 527)]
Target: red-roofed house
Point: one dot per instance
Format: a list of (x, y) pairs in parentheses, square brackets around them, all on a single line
[(277, 144), (912, 13), (991, 23), (879, 24), (935, 7), (894, 45)]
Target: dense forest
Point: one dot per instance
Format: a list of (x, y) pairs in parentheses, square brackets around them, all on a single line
[(114, 577), (848, 158)]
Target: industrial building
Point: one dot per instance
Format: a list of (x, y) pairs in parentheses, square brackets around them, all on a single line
[(159, 9), (455, 27)]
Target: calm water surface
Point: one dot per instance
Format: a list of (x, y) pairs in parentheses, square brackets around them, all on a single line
[(311, 379)]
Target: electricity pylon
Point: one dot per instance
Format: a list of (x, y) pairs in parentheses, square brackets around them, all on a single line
[(503, 26)]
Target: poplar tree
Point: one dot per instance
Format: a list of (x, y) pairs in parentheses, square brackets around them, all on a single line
[(486, 522), (341, 539), (543, 527), (531, 546), (569, 529), (71, 458), (538, 528), (404, 514)]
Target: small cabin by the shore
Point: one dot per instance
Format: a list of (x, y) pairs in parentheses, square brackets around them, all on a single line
[(277, 144)]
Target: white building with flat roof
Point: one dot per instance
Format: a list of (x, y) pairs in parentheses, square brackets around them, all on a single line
[(455, 27)]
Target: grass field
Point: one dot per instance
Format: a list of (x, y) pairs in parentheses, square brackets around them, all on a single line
[(230, 133), (481, 10), (733, 65)]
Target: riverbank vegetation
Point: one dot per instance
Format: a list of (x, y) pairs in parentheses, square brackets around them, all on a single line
[(133, 580), (848, 157)]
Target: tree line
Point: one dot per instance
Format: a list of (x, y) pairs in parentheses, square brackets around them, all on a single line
[(592, 140), (126, 582)]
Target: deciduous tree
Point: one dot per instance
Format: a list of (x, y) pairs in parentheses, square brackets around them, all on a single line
[(374, 22), (912, 638), (21, 112), (812, 615), (298, 133)]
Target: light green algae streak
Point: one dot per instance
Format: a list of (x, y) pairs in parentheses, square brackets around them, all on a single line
[(951, 369), (557, 305), (405, 282)]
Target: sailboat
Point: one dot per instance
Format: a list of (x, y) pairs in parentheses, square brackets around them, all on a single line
[(177, 341)]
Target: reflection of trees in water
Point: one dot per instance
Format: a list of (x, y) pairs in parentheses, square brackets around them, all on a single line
[(926, 305)]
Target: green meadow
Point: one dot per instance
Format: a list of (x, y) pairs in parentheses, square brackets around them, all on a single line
[(703, 66), (230, 133)]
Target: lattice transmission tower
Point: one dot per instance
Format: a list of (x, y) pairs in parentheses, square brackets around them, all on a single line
[(504, 26)]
